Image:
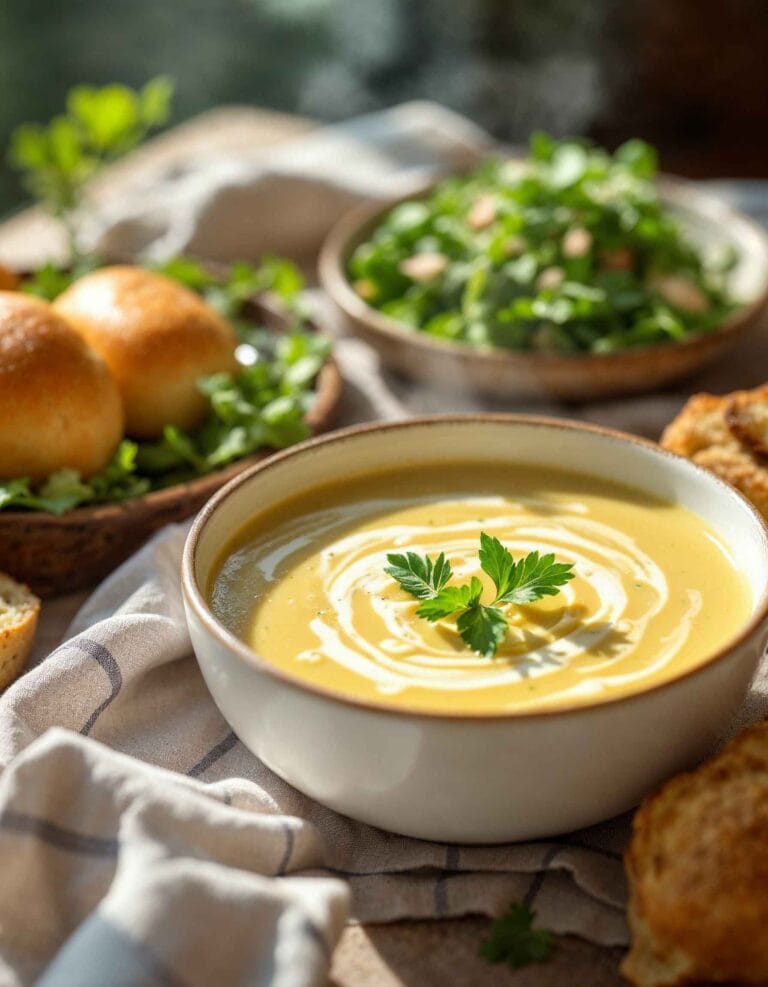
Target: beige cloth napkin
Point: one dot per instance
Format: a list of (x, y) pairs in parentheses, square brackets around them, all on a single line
[(283, 199), (140, 842)]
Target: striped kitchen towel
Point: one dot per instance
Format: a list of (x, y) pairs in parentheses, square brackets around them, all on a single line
[(142, 843)]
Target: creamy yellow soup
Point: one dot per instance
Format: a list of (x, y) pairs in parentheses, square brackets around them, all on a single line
[(655, 588)]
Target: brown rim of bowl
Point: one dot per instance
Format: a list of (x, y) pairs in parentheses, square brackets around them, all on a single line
[(197, 602), (328, 390), (358, 222)]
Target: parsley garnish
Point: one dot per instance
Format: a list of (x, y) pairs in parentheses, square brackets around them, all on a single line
[(482, 627), (512, 940)]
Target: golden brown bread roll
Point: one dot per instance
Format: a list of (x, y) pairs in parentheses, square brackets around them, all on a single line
[(59, 406), (157, 337), (698, 871), (19, 610)]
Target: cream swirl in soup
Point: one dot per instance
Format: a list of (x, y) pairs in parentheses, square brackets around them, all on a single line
[(655, 589)]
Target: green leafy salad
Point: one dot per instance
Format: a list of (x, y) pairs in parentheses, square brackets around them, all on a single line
[(569, 250), (262, 405)]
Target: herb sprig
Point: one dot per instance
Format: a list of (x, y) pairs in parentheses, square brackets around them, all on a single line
[(514, 941), (99, 125), (482, 626)]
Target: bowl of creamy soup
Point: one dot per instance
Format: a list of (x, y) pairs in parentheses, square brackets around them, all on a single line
[(477, 628)]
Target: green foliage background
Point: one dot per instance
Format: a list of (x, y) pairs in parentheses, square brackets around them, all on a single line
[(681, 74), (325, 58)]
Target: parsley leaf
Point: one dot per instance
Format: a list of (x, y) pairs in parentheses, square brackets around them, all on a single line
[(66, 489), (512, 939), (418, 574), (450, 599), (525, 581), (243, 281), (496, 561), (482, 628)]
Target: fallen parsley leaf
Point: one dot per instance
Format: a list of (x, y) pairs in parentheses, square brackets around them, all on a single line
[(482, 627), (512, 939), (418, 574)]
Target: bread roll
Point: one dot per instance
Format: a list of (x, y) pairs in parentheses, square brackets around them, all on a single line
[(19, 610), (59, 406), (698, 871), (157, 337), (727, 434)]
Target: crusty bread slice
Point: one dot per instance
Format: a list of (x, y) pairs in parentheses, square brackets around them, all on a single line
[(698, 872), (746, 415), (699, 425), (727, 435), (19, 610)]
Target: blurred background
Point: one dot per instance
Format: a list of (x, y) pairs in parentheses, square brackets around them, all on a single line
[(689, 75)]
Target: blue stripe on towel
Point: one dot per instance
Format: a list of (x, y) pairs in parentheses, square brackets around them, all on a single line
[(57, 836), (107, 661)]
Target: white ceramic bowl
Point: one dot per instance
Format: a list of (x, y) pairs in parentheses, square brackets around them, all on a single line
[(475, 778)]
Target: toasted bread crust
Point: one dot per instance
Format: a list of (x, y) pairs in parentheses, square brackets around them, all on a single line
[(724, 433), (739, 468), (746, 415), (19, 611), (699, 425), (698, 871)]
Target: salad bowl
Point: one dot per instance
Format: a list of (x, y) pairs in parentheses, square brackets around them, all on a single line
[(499, 373)]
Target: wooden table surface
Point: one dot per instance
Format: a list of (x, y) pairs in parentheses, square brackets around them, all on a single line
[(400, 954)]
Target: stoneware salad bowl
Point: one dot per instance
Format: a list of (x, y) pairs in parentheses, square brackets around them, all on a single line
[(498, 373), (476, 778)]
